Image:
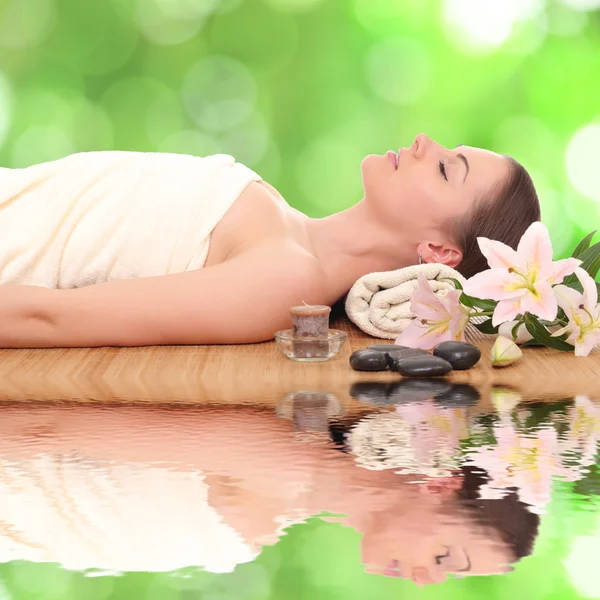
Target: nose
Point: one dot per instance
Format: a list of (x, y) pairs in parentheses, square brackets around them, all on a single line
[(420, 145)]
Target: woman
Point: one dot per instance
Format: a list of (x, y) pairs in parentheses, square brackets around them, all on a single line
[(159, 488), (150, 248)]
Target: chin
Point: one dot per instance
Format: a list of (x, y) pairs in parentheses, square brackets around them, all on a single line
[(372, 161)]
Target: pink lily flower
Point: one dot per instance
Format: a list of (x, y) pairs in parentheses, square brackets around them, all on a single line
[(584, 432), (438, 318), (522, 279), (583, 312)]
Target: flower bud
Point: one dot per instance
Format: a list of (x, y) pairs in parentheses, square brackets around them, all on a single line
[(505, 352)]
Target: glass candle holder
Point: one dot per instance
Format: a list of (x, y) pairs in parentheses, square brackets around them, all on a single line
[(307, 349)]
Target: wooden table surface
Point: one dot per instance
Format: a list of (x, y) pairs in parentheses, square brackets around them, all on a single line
[(257, 373)]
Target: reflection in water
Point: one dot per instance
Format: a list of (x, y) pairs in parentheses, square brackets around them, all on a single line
[(434, 485)]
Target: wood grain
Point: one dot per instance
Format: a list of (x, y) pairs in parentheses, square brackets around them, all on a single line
[(257, 373)]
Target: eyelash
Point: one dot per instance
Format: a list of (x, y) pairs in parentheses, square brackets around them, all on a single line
[(443, 170)]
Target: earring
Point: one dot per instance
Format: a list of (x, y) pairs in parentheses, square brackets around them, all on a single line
[(420, 258)]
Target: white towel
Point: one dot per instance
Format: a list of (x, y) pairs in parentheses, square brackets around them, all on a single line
[(92, 217), (379, 303)]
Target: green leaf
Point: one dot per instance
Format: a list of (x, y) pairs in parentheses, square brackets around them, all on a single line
[(590, 262), (486, 327), (466, 300), (472, 302), (583, 245), (456, 283), (515, 329), (542, 335), (484, 304)]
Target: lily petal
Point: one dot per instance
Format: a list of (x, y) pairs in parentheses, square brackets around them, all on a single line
[(565, 329), (450, 301), (498, 255), (542, 304), (425, 304), (536, 246), (506, 310), (558, 270), (589, 342), (568, 299), (458, 323), (590, 291), (494, 284), (417, 335)]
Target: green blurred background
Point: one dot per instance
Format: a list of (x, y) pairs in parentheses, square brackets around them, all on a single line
[(301, 91)]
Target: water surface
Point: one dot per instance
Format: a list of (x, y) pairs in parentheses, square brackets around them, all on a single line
[(391, 491)]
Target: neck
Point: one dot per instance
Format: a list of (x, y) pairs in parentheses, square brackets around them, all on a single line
[(341, 487), (354, 242)]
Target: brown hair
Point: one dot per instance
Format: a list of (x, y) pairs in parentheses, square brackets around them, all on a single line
[(511, 518), (504, 215)]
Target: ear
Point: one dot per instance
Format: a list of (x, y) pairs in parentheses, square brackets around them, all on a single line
[(444, 253), (442, 487)]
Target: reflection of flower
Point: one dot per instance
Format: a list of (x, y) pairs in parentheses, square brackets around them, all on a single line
[(505, 401), (584, 431), (525, 461), (417, 438), (439, 318)]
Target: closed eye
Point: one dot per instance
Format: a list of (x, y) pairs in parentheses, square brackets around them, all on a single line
[(443, 170)]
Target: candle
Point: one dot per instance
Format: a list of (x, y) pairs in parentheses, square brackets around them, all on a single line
[(310, 320)]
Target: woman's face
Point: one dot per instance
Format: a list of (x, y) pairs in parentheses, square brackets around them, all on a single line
[(425, 542), (430, 185)]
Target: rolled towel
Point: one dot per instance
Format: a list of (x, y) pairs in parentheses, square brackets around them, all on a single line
[(379, 303)]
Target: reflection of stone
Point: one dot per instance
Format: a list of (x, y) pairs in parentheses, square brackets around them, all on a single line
[(461, 395), (310, 410), (406, 390), (415, 389), (372, 392)]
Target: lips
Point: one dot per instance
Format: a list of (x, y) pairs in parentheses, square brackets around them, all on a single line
[(393, 156), (393, 569)]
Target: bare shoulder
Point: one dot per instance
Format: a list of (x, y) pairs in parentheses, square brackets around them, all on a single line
[(291, 264)]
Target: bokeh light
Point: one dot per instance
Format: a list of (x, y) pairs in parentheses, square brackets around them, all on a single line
[(582, 4), (480, 25), (92, 40), (38, 144), (26, 24), (6, 106), (318, 172), (580, 565), (249, 141), (218, 93), (582, 160), (169, 22), (190, 141), (399, 70), (561, 20), (293, 6)]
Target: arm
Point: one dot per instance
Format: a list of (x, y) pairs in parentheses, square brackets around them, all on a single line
[(243, 300)]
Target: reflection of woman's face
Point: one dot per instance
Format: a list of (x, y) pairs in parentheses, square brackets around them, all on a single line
[(425, 542)]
